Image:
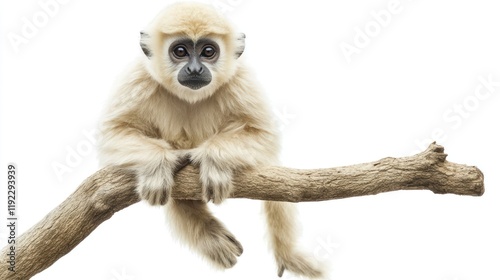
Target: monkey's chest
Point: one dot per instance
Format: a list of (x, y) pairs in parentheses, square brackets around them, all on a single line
[(191, 132), (182, 141), (186, 126)]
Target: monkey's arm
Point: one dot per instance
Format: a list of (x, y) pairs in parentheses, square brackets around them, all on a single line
[(241, 148), (128, 139), (152, 159), (237, 147)]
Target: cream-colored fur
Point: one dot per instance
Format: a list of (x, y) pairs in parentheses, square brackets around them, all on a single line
[(153, 123)]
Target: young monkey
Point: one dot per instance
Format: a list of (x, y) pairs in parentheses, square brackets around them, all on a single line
[(190, 99)]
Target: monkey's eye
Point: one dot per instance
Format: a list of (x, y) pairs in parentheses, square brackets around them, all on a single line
[(208, 51), (180, 52)]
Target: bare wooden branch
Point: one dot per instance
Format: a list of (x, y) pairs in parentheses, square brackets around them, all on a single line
[(112, 189)]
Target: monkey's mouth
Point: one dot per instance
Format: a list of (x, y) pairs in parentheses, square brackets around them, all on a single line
[(195, 83)]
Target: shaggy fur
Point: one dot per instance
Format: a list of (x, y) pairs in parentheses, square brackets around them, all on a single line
[(153, 124)]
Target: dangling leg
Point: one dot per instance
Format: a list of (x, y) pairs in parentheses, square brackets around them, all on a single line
[(193, 222), (281, 224)]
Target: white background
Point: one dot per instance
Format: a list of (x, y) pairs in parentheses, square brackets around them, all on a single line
[(402, 86)]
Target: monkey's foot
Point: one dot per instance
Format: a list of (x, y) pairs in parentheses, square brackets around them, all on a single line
[(299, 264), (219, 245)]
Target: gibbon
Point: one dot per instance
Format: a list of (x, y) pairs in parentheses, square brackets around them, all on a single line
[(190, 100)]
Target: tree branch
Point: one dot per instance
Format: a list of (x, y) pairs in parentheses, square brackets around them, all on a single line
[(112, 189)]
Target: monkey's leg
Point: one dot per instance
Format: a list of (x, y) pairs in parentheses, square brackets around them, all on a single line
[(281, 224), (193, 223)]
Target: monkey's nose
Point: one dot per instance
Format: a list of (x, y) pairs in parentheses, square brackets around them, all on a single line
[(194, 69)]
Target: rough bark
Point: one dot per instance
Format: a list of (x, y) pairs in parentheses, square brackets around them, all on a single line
[(112, 189)]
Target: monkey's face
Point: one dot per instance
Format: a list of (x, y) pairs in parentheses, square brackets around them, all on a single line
[(193, 68), (192, 50), (194, 60)]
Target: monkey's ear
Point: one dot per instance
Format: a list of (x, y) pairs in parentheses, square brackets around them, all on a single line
[(240, 44), (145, 44)]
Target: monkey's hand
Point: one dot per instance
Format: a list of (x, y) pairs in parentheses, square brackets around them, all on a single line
[(155, 180), (216, 177)]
